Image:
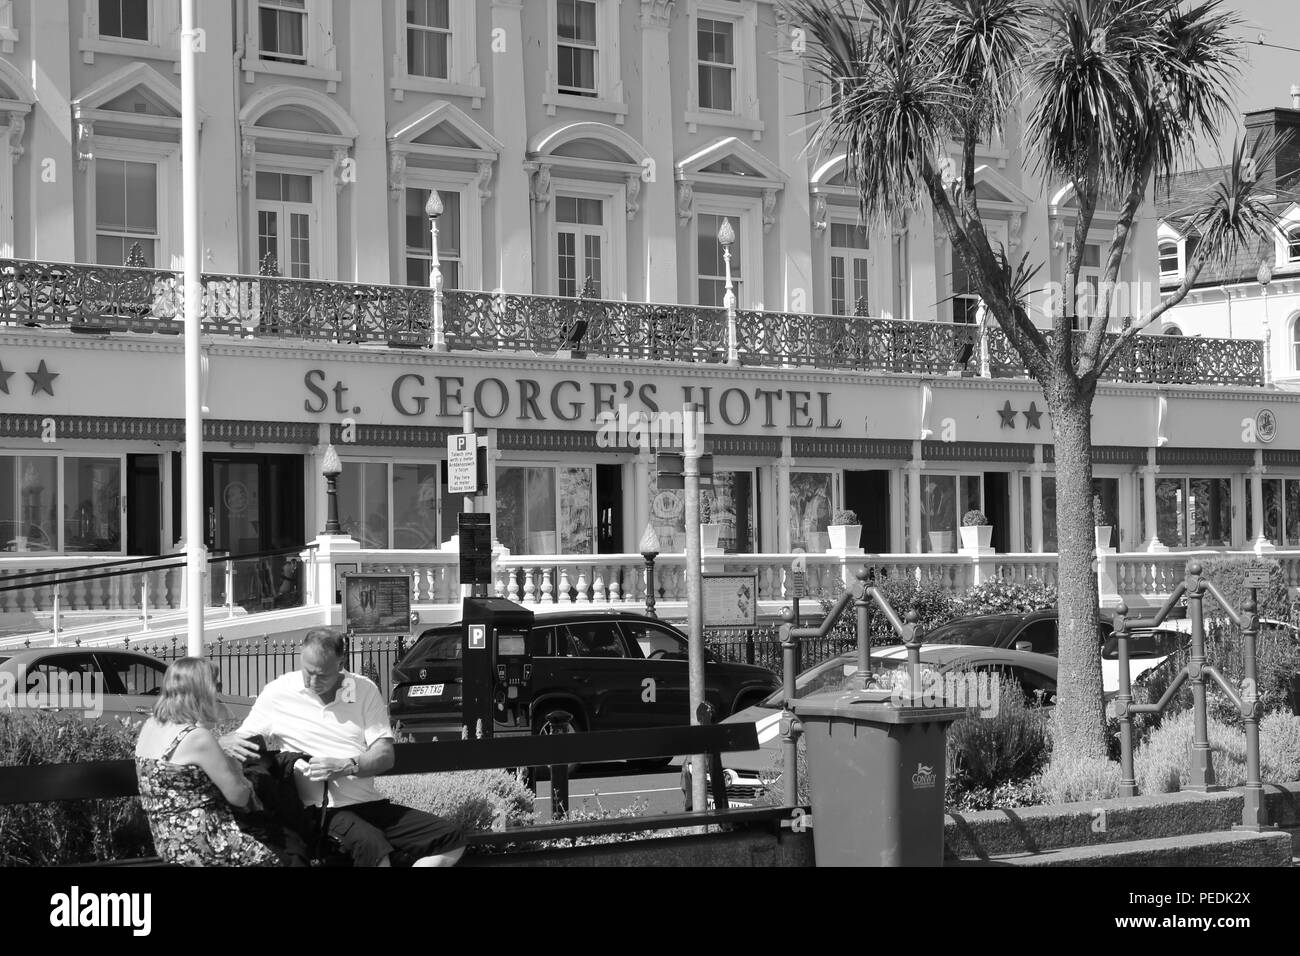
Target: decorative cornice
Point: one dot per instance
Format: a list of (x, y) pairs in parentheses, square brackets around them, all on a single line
[(867, 448), (685, 202), (633, 191), (396, 436), (1205, 456), (1289, 457), (519, 439), (484, 183), (119, 428), (976, 451), (765, 446), (17, 126), (769, 209), (396, 172), (1106, 454)]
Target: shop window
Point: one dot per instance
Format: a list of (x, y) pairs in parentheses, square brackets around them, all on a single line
[(546, 510), (812, 496), (363, 502), (1194, 512), (1281, 511), (729, 503), (944, 499), (36, 514)]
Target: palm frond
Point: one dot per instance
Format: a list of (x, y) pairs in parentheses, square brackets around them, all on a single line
[(984, 42)]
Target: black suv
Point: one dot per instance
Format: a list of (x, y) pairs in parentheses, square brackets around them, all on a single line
[(592, 670)]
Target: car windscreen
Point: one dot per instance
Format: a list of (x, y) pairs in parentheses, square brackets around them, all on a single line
[(438, 646), (976, 633), (1146, 644)]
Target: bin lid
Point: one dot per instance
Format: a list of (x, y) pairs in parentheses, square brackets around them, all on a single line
[(872, 705)]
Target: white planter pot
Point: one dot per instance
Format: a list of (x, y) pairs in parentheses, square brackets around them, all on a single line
[(844, 536), (709, 535), (941, 542), (977, 536), (1103, 535)]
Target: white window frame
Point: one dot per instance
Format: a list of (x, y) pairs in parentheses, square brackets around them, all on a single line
[(1238, 483), (609, 98), (318, 46), (464, 184), (581, 233), (1102, 242), (324, 197), (59, 457), (463, 75), (836, 503), (554, 465), (613, 215), (8, 32), (957, 474), (166, 156), (746, 214), (163, 42), (746, 108), (286, 209), (14, 114), (1293, 324), (1177, 256), (868, 255), (997, 232)]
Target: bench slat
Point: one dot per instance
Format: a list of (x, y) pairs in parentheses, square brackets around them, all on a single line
[(659, 821), (116, 778)]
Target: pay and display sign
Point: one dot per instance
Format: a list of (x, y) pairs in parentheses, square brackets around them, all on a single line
[(462, 464)]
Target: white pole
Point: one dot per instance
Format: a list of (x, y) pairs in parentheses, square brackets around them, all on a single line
[(691, 442), (195, 551)]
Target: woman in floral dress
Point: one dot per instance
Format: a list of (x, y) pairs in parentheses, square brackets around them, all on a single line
[(191, 791)]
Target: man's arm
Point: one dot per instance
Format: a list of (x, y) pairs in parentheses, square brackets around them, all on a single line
[(376, 760), (258, 721)]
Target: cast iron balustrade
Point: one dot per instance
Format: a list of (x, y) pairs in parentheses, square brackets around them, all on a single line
[(92, 298)]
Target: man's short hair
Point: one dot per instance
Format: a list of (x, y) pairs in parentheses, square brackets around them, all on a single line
[(327, 639)]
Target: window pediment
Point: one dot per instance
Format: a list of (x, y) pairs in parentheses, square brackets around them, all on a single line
[(119, 96), (730, 161)]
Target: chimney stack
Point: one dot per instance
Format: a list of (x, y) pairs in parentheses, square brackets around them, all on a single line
[(1295, 96)]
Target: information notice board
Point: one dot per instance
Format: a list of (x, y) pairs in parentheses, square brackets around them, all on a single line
[(376, 604), (730, 600)]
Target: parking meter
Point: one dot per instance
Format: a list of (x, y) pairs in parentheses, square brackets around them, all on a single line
[(497, 666)]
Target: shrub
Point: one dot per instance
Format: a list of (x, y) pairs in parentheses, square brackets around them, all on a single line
[(930, 598), (1009, 745), (845, 516), (1092, 778), (771, 776), (1228, 575), (70, 831), (1162, 763), (1014, 793), (1099, 512), (471, 799), (973, 518), (1003, 597)]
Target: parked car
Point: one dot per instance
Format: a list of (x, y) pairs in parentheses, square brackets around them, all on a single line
[(68, 680), (744, 772), (1036, 631), (589, 669)]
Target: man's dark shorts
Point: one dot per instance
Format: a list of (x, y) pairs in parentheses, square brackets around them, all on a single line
[(371, 831)]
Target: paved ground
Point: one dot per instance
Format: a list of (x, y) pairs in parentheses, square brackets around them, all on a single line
[(612, 787)]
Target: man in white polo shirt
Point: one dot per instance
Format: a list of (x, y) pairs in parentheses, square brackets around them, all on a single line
[(339, 718)]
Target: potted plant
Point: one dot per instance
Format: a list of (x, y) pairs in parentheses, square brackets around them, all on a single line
[(1099, 519), (844, 530), (976, 532)]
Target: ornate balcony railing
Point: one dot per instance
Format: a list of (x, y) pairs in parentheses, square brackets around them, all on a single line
[(113, 299)]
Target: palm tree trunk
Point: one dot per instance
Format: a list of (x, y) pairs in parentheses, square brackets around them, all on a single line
[(1080, 717)]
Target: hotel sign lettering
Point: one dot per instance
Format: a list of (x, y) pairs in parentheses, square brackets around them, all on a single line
[(414, 395)]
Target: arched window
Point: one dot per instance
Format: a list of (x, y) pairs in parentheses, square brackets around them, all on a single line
[(1169, 258), (1295, 342)]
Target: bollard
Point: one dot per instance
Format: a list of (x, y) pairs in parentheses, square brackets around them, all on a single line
[(1254, 815), (1201, 772)]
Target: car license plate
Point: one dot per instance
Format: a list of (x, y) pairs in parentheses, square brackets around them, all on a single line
[(425, 690)]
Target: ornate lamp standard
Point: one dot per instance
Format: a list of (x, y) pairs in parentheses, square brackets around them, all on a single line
[(433, 209), (727, 236), (330, 469), (650, 551)]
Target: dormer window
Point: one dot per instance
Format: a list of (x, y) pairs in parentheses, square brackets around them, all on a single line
[(1293, 244), (1170, 260)]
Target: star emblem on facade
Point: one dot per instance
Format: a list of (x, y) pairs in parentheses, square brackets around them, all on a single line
[(1033, 416), (4, 379), (1008, 415), (42, 380)]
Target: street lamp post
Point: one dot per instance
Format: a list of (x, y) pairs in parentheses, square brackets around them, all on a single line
[(433, 209), (650, 551), (727, 236), (330, 469)]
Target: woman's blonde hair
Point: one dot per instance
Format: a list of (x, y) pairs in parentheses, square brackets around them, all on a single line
[(189, 693)]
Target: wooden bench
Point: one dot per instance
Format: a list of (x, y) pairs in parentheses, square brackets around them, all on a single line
[(108, 779)]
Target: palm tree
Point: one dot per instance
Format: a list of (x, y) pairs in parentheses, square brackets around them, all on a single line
[(1112, 94)]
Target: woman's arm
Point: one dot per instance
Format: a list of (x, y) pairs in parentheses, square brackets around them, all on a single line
[(201, 749)]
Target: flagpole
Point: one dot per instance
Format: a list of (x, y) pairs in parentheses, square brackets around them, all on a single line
[(195, 551)]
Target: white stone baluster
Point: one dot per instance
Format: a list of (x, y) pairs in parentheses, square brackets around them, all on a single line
[(566, 587), (530, 589), (614, 596), (498, 584), (512, 590), (582, 587), (548, 589), (598, 595)]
